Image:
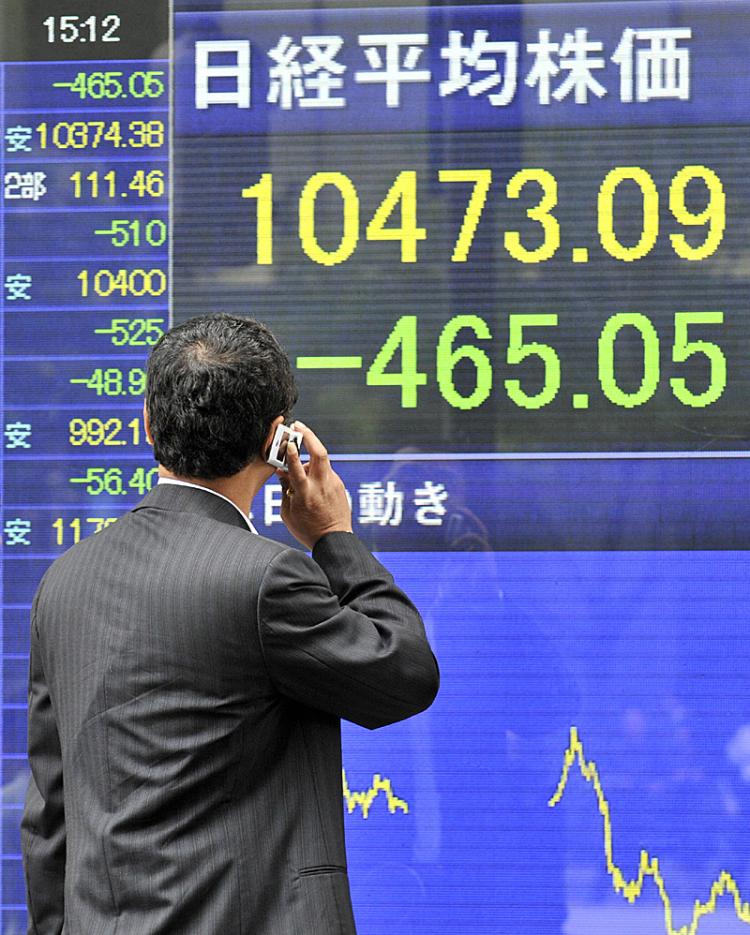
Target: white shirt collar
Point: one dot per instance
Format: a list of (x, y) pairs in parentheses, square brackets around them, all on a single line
[(185, 483)]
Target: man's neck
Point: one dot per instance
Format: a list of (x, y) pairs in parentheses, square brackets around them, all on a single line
[(240, 488)]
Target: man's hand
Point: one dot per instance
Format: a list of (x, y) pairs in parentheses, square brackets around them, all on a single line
[(315, 500)]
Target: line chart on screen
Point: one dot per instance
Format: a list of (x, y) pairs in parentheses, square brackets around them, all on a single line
[(648, 867), (364, 799)]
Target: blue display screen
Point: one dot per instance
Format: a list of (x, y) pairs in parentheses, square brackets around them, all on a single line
[(505, 248)]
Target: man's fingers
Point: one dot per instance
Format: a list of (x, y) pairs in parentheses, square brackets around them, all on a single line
[(315, 447), (297, 475)]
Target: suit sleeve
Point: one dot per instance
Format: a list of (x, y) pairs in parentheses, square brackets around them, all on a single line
[(338, 635), (43, 822)]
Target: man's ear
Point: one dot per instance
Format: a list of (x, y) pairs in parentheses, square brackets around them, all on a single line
[(267, 444), (146, 425)]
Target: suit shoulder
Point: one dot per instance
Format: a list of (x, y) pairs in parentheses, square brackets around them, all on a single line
[(243, 541), (181, 544)]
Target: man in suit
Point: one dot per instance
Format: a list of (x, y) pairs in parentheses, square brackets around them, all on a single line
[(188, 677)]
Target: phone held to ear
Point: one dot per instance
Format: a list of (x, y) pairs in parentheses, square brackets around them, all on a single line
[(277, 453)]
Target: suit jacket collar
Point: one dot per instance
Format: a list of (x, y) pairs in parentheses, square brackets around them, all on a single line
[(192, 500)]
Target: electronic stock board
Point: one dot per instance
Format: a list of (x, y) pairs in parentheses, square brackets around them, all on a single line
[(506, 248)]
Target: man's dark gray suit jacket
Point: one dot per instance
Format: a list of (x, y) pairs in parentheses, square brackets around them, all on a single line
[(187, 681)]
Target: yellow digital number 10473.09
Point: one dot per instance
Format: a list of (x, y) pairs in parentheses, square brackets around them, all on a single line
[(395, 219)]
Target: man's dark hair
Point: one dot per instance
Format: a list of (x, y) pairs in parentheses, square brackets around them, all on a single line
[(214, 386)]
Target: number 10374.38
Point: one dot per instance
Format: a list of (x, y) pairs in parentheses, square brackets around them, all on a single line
[(464, 370)]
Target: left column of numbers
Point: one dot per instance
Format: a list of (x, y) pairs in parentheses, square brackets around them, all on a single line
[(84, 294)]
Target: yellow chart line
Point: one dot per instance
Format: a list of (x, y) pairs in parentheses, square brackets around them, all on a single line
[(649, 866), (365, 798)]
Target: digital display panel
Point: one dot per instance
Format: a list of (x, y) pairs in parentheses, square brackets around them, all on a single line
[(84, 264), (505, 247)]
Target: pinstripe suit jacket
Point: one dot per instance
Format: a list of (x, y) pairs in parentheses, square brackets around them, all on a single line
[(187, 680)]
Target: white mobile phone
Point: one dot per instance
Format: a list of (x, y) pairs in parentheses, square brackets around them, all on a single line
[(277, 454)]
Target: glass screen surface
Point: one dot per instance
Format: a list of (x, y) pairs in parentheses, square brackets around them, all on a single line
[(505, 248)]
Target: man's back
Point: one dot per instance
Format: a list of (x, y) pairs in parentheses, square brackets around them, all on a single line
[(187, 683)]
